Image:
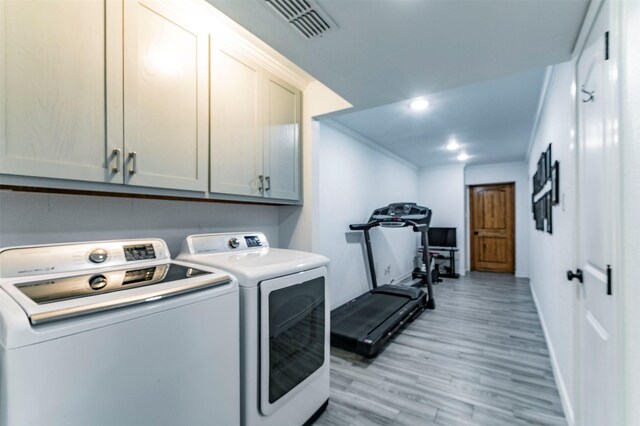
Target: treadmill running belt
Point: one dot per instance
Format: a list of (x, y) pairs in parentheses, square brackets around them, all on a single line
[(366, 315), (364, 324)]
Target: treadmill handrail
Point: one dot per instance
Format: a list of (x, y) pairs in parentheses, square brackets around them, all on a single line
[(363, 226), (418, 227)]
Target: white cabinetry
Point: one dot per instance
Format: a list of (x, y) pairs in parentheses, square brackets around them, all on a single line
[(165, 97), (126, 91), (236, 139), (67, 111), (281, 139), (255, 128), (54, 88)]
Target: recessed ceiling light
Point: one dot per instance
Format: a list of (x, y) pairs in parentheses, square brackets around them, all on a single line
[(463, 156), (453, 145), (419, 104)]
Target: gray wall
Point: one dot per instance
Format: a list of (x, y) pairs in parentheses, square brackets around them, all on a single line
[(442, 190), (38, 218), (354, 179)]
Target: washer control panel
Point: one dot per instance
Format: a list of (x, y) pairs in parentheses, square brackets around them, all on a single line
[(234, 243), (98, 255), (75, 257), (139, 252)]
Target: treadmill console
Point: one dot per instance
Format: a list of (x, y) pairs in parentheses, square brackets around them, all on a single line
[(397, 214)]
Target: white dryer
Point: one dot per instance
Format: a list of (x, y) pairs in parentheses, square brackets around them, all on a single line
[(284, 325), (115, 333)]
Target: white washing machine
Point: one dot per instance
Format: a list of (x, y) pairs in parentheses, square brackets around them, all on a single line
[(115, 333), (284, 325)]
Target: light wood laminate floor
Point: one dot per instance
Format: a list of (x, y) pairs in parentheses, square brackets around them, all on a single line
[(479, 358)]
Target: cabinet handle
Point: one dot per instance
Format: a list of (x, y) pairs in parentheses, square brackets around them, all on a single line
[(268, 188), (116, 153), (261, 184), (133, 162)]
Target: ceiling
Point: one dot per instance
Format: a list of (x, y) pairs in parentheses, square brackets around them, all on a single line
[(492, 121), (479, 62)]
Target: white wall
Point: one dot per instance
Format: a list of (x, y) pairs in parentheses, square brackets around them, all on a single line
[(299, 224), (354, 179), (506, 173), (38, 218), (442, 190), (630, 90), (550, 256)]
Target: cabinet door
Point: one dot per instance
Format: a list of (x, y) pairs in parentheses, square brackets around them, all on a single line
[(166, 97), (54, 88), (236, 139), (282, 139)]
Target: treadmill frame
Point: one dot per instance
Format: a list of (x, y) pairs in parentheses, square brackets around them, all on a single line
[(417, 301)]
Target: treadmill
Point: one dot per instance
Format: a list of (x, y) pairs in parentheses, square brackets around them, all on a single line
[(365, 323)]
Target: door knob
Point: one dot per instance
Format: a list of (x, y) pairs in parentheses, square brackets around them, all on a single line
[(578, 274)]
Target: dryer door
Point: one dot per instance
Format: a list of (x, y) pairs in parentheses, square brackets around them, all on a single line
[(294, 333)]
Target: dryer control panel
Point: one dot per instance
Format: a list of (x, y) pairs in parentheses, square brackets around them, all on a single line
[(225, 242)]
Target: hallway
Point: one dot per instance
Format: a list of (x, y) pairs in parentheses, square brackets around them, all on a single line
[(479, 358)]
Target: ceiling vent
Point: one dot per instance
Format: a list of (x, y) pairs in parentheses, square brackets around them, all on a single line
[(305, 16)]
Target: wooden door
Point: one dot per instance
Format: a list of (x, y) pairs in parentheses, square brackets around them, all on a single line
[(166, 96), (236, 139), (282, 139), (492, 228), (598, 174), (60, 65)]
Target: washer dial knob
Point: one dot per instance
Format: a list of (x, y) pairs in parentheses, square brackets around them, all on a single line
[(234, 243), (98, 282), (98, 255)]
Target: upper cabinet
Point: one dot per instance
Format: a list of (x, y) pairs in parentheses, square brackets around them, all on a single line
[(255, 128), (165, 97), (59, 67), (236, 138), (281, 139), (83, 103), (127, 92)]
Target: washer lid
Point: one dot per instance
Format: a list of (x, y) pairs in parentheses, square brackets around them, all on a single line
[(54, 297), (253, 266)]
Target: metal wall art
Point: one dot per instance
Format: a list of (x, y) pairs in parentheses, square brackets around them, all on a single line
[(541, 205)]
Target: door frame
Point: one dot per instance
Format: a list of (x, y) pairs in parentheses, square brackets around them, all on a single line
[(470, 225), (614, 170)]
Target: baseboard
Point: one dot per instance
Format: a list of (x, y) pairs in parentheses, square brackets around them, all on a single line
[(562, 389), (404, 277)]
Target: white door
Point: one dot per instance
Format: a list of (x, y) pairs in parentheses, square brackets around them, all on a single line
[(597, 182), (54, 88), (166, 96)]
